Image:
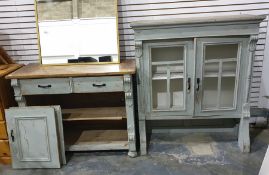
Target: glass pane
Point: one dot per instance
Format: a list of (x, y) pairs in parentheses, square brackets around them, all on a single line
[(221, 51), (167, 54), (160, 71), (177, 94), (229, 68), (227, 92), (159, 94), (211, 69), (97, 8), (55, 10), (210, 93)]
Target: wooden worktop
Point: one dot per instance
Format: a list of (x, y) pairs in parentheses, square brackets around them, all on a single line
[(50, 71)]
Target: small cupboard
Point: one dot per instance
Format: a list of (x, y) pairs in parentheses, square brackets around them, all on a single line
[(197, 68)]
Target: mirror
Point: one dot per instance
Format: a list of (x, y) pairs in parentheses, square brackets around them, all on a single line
[(77, 31)]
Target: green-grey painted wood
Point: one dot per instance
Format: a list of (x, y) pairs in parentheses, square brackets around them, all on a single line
[(98, 84), (60, 133), (188, 73), (33, 137), (242, 63), (109, 146), (45, 86), (226, 31), (171, 32), (82, 85), (129, 105)]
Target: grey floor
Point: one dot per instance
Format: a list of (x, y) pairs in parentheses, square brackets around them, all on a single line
[(179, 154)]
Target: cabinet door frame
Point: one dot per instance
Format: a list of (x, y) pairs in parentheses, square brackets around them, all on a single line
[(46, 113), (241, 67), (189, 67)]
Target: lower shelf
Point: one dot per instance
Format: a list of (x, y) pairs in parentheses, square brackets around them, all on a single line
[(96, 140), (106, 113)]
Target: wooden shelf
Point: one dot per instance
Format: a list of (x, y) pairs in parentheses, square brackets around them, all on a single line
[(96, 140), (104, 113), (164, 76)]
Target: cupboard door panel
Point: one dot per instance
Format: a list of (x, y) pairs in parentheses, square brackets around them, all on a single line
[(33, 137), (169, 75), (219, 76)]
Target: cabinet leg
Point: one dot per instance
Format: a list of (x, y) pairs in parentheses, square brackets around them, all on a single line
[(129, 102), (132, 154), (243, 132), (143, 137)]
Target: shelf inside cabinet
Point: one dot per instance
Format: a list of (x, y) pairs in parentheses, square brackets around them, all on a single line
[(163, 76), (224, 74), (157, 63), (101, 113), (92, 140)]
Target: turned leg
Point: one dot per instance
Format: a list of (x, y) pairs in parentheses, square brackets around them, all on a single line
[(243, 133), (129, 102)]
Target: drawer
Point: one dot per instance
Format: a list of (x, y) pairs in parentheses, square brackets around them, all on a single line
[(4, 148), (3, 131), (45, 86), (98, 84), (5, 160)]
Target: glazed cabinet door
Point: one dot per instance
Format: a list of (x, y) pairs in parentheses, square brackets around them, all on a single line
[(221, 65), (33, 137), (169, 73)]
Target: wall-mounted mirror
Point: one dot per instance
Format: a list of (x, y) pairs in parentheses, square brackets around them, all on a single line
[(77, 31)]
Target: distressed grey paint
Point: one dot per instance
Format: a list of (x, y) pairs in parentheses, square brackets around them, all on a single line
[(247, 44), (33, 137), (82, 85)]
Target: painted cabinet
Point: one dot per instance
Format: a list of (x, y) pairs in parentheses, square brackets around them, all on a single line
[(35, 139), (40, 135), (197, 68), (201, 83)]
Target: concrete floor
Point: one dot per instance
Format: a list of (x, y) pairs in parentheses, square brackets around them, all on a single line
[(179, 154)]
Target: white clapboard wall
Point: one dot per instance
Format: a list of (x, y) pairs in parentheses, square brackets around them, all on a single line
[(19, 38)]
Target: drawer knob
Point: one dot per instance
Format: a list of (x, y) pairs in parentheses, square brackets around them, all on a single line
[(99, 85), (44, 86)]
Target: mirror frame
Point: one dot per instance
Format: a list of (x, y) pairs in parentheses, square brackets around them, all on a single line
[(67, 64)]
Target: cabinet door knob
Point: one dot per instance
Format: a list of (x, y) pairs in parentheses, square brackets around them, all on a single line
[(12, 135), (189, 84), (198, 84)]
